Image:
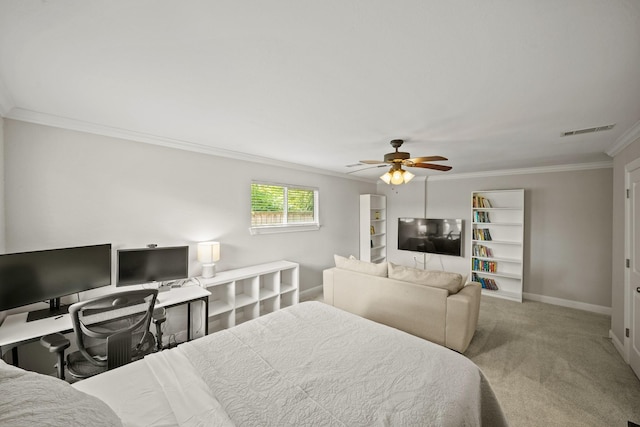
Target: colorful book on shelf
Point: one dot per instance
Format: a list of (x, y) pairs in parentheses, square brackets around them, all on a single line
[(486, 283), (482, 251), (481, 234), (486, 266), (481, 216), (481, 202)]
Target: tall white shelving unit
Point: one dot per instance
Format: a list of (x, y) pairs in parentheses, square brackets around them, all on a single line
[(373, 228), (497, 242), (246, 293)]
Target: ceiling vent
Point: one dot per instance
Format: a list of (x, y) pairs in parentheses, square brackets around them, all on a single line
[(588, 130)]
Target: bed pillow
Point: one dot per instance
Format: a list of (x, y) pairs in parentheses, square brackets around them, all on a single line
[(358, 266), (31, 399), (452, 282)]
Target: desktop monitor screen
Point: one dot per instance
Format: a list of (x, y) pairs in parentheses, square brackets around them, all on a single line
[(136, 266), (30, 277)]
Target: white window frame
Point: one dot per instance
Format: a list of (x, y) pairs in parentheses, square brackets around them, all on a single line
[(287, 228)]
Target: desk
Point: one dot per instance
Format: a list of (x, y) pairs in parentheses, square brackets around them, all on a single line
[(16, 331)]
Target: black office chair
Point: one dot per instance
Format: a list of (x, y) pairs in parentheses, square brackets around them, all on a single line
[(111, 331)]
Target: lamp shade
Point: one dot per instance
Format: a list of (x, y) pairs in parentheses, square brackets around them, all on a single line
[(408, 176), (397, 176), (208, 252), (386, 177)]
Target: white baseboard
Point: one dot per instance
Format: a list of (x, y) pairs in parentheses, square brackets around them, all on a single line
[(618, 345), (568, 303), (311, 293)]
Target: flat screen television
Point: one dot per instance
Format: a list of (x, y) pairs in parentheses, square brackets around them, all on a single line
[(430, 235), (146, 265), (30, 277)]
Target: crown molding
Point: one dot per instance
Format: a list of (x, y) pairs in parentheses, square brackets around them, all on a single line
[(93, 128), (625, 139), (525, 171)]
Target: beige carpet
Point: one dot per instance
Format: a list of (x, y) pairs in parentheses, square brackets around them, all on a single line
[(553, 366)]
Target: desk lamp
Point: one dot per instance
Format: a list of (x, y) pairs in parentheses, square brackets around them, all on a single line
[(208, 254)]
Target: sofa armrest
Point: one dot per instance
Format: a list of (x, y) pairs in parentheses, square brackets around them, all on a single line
[(463, 310), (327, 285)]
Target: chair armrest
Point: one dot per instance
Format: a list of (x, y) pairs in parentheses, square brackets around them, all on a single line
[(159, 315), (55, 343)]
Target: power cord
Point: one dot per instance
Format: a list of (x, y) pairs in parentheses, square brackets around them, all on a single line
[(424, 264), (416, 262)]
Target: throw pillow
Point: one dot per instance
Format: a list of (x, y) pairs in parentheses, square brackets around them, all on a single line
[(358, 266), (452, 282)]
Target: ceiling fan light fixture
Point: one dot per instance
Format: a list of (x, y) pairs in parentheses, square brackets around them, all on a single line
[(386, 178), (397, 177), (408, 176)]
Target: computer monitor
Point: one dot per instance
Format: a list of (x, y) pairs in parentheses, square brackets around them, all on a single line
[(146, 265), (30, 277)]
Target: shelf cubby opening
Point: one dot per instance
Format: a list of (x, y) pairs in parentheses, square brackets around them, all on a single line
[(269, 285), (269, 305), (248, 312), (220, 321), (288, 280), (246, 291), (221, 298), (289, 298)]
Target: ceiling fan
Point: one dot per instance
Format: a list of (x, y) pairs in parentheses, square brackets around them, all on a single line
[(397, 159)]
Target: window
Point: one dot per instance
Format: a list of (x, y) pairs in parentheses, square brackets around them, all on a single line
[(277, 208)]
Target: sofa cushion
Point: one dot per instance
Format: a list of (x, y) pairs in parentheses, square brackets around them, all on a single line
[(356, 265), (452, 282)]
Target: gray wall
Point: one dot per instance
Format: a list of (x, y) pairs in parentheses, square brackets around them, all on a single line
[(403, 201), (2, 224), (626, 156), (568, 228), (66, 188), (2, 208)]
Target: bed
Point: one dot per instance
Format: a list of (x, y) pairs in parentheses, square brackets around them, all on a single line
[(309, 364)]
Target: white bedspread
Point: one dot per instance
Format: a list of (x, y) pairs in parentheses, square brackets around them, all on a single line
[(309, 364), (28, 399)]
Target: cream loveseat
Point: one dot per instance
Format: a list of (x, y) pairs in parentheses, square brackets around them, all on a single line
[(435, 305)]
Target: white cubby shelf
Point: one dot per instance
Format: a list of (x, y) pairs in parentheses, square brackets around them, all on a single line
[(246, 293)]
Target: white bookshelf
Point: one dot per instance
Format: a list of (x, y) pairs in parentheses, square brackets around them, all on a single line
[(497, 242), (373, 228), (246, 293)]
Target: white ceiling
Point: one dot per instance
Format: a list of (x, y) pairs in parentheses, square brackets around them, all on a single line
[(488, 84)]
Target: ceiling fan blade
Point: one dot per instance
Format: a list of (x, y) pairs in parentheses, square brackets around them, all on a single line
[(426, 159), (431, 166), (370, 167), (371, 162)]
